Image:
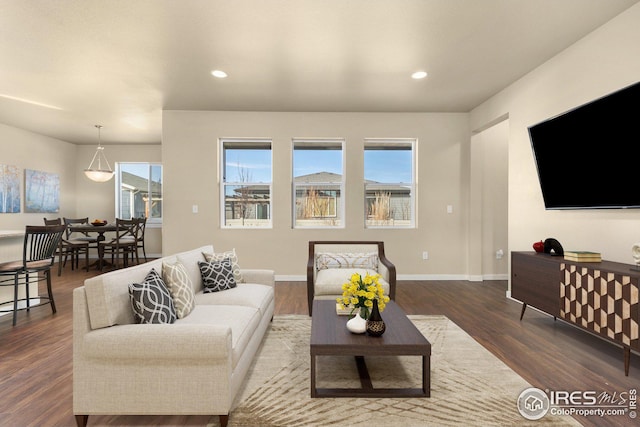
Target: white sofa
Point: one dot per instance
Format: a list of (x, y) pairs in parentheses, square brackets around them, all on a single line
[(194, 366), (331, 263)]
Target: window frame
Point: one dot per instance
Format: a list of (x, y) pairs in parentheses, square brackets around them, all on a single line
[(412, 186), (248, 143), (337, 144), (152, 222)]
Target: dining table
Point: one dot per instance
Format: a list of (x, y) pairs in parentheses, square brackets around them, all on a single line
[(100, 230)]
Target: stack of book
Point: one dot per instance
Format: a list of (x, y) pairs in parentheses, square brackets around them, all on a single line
[(582, 256)]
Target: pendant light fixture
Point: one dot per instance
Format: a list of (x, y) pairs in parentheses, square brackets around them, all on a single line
[(97, 173)]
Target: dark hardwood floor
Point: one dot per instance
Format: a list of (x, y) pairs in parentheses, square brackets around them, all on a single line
[(36, 354)]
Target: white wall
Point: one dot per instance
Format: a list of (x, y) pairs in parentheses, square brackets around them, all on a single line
[(190, 158), (602, 62), (28, 150), (488, 219)]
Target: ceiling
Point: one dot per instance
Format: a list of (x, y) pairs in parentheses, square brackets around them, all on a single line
[(119, 63)]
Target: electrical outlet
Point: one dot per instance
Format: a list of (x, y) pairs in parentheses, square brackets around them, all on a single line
[(425, 255), (194, 208)]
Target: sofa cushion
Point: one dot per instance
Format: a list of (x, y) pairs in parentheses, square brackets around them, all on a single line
[(367, 260), (179, 284), (190, 261), (245, 294), (219, 256), (329, 282), (108, 300), (151, 301), (217, 275), (242, 320)]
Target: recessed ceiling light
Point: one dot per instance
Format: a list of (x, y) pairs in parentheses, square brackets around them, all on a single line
[(419, 75), (219, 74)]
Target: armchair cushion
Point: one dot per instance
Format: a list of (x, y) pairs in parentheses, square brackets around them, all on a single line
[(180, 287), (329, 282), (151, 301), (217, 275)]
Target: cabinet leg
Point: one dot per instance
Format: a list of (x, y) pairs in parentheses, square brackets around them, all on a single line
[(627, 360), (524, 307)]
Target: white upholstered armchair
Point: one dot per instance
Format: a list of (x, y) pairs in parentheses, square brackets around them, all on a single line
[(331, 263)]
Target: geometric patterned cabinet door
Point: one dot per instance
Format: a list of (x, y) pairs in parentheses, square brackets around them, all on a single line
[(602, 302)]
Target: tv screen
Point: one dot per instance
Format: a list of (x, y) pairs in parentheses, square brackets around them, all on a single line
[(589, 157)]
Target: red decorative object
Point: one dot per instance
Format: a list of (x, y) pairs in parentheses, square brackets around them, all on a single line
[(538, 246)]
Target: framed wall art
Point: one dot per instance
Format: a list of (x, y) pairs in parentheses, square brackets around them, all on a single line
[(42, 192), (9, 189)]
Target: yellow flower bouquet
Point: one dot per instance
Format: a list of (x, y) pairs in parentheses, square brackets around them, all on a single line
[(359, 293)]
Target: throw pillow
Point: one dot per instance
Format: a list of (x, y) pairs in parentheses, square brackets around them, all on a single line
[(234, 261), (151, 300), (347, 260), (217, 275), (180, 287)]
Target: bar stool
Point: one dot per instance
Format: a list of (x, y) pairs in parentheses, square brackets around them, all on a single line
[(38, 253)]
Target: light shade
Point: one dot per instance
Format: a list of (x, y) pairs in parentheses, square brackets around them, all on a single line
[(97, 172), (98, 175)]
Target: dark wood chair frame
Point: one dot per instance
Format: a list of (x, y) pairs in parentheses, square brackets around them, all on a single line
[(312, 258), (139, 237), (69, 246), (38, 254), (125, 242), (84, 236)]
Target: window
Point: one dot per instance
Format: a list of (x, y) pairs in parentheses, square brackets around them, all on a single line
[(139, 191), (246, 183), (318, 184), (389, 175)]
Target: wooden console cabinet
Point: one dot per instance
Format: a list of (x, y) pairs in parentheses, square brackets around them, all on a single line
[(601, 297)]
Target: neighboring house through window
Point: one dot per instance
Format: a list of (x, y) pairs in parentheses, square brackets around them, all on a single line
[(318, 183), (389, 181), (246, 168), (139, 191)]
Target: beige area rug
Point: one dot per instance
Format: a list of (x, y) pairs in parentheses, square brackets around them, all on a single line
[(469, 386)]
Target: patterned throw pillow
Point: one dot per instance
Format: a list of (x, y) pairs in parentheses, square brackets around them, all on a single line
[(151, 301), (234, 261), (180, 287), (217, 275), (347, 260)]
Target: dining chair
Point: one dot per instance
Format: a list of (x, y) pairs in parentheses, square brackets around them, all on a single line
[(142, 225), (123, 244), (38, 253), (68, 246), (80, 235)]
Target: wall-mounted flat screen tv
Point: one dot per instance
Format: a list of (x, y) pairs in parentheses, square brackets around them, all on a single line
[(589, 157)]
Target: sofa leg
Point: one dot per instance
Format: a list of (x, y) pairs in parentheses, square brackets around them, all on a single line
[(81, 420), (224, 419)]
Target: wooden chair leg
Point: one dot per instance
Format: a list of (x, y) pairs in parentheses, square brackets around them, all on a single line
[(81, 420), (60, 263), (51, 301), (26, 290), (15, 300)]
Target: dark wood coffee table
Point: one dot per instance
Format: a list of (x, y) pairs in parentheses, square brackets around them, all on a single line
[(330, 337)]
